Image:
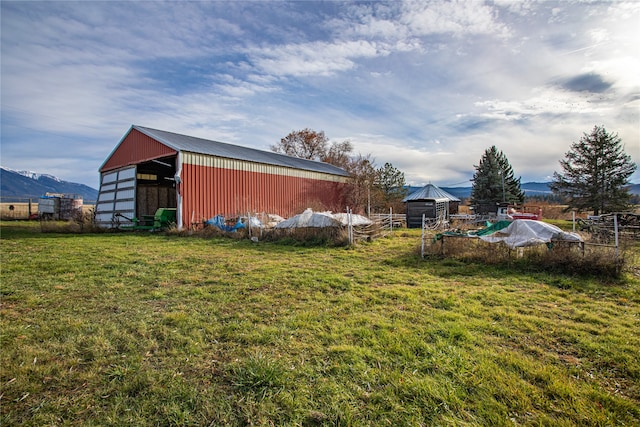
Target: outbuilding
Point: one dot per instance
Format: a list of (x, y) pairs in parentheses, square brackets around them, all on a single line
[(151, 169), (431, 201)]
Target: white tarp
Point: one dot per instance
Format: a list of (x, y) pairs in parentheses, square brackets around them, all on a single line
[(273, 219), (525, 232), (309, 218), (355, 219)]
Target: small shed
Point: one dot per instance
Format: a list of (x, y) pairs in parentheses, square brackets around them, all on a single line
[(431, 201)]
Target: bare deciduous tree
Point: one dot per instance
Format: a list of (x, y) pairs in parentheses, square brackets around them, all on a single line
[(305, 144)]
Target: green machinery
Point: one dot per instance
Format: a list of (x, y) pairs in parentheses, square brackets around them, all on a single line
[(163, 218)]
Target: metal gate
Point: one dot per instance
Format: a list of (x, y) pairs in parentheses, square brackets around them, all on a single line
[(116, 203)]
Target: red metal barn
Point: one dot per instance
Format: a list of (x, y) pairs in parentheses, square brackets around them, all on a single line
[(151, 169)]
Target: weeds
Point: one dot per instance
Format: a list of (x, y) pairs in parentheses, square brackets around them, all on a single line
[(559, 257), (258, 374), (330, 236)]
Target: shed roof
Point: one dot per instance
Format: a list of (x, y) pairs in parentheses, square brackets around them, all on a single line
[(192, 144), (430, 192)]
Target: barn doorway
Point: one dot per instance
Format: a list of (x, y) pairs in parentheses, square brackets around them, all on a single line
[(136, 191), (156, 186)]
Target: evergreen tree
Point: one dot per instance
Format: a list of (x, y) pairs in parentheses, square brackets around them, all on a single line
[(596, 170), (494, 181), (391, 187)]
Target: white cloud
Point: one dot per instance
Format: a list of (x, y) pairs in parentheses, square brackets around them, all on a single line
[(455, 17), (549, 101), (521, 7), (316, 58)]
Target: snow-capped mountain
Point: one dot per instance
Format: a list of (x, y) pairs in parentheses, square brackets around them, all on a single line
[(35, 175), (18, 186)]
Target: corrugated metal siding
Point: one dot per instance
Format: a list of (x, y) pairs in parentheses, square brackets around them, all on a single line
[(430, 192), (262, 168), (136, 148), (117, 195), (212, 186)]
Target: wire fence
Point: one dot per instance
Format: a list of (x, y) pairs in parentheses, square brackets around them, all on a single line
[(389, 221)]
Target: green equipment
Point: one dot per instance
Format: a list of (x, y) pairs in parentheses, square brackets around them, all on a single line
[(163, 218)]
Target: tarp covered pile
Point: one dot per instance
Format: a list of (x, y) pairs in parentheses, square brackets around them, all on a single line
[(525, 232), (519, 233), (355, 219), (306, 219), (309, 218)]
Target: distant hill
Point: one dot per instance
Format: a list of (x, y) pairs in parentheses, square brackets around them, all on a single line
[(16, 186), (531, 189)]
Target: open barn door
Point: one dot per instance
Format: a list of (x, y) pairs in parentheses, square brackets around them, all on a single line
[(116, 203)]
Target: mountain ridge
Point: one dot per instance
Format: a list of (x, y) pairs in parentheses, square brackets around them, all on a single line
[(531, 189), (35, 175), (16, 186)]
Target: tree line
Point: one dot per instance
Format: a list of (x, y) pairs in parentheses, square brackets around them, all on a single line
[(594, 176)]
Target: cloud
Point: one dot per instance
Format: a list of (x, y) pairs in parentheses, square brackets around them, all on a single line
[(587, 83), (544, 101), (458, 18), (393, 21), (316, 58)]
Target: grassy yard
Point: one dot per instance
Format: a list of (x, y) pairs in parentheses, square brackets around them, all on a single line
[(152, 329)]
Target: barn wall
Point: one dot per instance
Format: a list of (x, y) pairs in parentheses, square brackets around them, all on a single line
[(136, 148), (212, 185)]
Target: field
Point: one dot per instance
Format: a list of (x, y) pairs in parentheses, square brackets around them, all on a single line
[(23, 210), (152, 329)]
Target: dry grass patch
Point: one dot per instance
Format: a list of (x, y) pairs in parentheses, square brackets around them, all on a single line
[(560, 257)]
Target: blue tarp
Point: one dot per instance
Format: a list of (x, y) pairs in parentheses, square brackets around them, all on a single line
[(218, 221)]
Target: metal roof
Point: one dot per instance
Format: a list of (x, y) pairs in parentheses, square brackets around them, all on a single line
[(192, 144), (430, 192)]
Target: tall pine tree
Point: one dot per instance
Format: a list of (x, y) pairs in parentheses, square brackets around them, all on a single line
[(596, 171), (494, 181)]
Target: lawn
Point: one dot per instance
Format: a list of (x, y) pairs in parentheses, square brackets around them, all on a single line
[(152, 329)]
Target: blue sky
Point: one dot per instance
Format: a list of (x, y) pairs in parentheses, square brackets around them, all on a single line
[(424, 85)]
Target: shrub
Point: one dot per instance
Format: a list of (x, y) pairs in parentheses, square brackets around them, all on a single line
[(329, 236)]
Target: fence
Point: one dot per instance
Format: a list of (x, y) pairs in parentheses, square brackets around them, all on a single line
[(389, 221)]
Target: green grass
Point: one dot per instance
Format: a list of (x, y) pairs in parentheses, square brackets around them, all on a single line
[(152, 329)]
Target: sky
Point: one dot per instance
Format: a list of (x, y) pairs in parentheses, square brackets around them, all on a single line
[(427, 86)]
